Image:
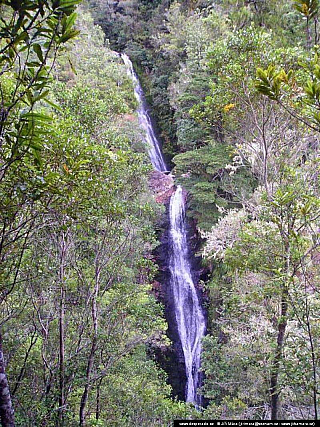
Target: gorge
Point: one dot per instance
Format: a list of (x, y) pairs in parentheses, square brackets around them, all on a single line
[(188, 313)]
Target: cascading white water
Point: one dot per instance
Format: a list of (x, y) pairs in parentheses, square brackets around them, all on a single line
[(153, 145), (188, 312)]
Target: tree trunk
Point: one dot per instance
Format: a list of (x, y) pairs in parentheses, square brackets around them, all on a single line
[(275, 369), (308, 31), (63, 250), (98, 407), (94, 346), (6, 408), (85, 394), (314, 364), (61, 359)]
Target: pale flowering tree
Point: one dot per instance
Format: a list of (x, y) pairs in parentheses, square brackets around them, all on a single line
[(223, 235)]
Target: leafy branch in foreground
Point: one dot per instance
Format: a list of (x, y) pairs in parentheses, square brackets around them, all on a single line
[(296, 91), (31, 35)]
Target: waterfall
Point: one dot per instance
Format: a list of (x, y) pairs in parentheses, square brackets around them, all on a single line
[(152, 142), (188, 311)]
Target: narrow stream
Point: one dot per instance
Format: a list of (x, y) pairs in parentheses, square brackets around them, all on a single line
[(188, 311)]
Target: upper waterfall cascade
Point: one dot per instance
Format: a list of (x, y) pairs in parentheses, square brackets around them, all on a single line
[(152, 142), (188, 311)]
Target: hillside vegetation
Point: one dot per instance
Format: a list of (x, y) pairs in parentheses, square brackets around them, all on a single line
[(234, 88)]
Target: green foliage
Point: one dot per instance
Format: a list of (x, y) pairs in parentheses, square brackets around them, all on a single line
[(204, 174), (78, 224), (266, 260), (30, 42), (297, 90), (78, 227), (270, 81), (308, 8), (135, 394)]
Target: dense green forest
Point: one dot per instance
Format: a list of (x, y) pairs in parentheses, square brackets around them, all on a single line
[(234, 89)]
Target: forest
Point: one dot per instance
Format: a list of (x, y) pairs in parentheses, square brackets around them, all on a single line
[(91, 232)]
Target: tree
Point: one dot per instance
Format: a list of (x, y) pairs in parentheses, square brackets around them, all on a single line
[(309, 10), (31, 34)]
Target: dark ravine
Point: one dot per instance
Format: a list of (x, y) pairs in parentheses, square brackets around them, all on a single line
[(184, 312)]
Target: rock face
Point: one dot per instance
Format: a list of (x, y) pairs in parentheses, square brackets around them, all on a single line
[(162, 186)]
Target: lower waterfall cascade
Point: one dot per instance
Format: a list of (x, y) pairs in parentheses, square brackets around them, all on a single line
[(188, 312), (189, 315)]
